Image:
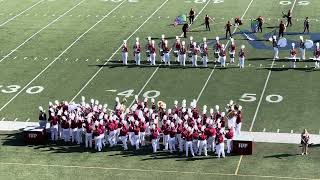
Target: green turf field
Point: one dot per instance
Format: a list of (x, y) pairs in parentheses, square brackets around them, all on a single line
[(65, 49)]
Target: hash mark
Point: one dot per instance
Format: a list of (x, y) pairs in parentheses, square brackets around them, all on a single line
[(15, 119), (28, 120)]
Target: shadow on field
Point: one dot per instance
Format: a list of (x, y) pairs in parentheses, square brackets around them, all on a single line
[(309, 69), (281, 156), (174, 65), (16, 139), (259, 59)]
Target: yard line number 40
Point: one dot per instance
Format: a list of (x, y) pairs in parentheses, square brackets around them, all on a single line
[(272, 98)]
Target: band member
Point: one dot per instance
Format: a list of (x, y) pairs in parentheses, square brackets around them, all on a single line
[(42, 117), (289, 18), (192, 14), (153, 53), (161, 47), (136, 135), (302, 48), (166, 135), (53, 127), (89, 130), (275, 47), (137, 51), (188, 139), (190, 48), (143, 128), (237, 21), (217, 48), (74, 128), (211, 135), (223, 56), (185, 29), (260, 23), (204, 53), (282, 28), (154, 138), (239, 120), (195, 53), (124, 53), (229, 136), (306, 25), (177, 46), (182, 54), (232, 50), (220, 145), (305, 137), (124, 135), (228, 29), (80, 130), (172, 138), (195, 140), (317, 55), (207, 20), (148, 46), (65, 125), (241, 57), (203, 142), (166, 52), (293, 55)]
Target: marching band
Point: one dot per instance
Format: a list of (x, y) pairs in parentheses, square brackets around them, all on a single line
[(181, 52), (182, 128)]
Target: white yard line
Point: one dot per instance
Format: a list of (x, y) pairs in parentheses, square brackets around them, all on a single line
[(260, 100), (88, 82), (2, 24), (209, 77), (154, 72), (265, 85), (63, 52), (145, 84), (146, 170), (12, 51)]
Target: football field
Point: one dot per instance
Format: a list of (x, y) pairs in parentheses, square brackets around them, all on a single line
[(64, 49)]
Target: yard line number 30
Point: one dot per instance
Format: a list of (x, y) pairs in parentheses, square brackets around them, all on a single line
[(15, 88), (272, 98)]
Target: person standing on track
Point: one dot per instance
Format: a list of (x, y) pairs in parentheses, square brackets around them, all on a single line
[(228, 29), (306, 25), (207, 20), (305, 137), (191, 16)]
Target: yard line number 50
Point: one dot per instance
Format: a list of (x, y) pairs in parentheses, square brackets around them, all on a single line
[(272, 98), (301, 3)]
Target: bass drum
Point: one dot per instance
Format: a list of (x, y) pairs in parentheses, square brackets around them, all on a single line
[(282, 42), (308, 44)]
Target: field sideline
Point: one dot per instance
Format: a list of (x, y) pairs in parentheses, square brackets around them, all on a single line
[(65, 49)]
